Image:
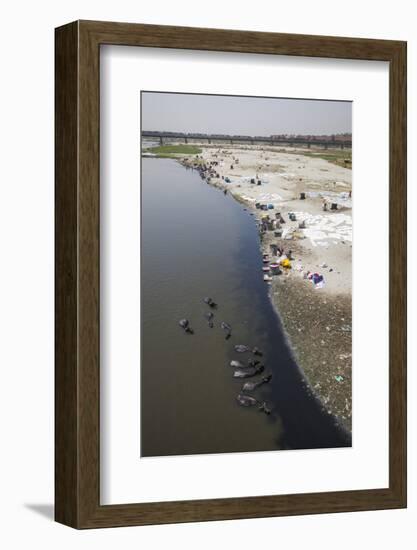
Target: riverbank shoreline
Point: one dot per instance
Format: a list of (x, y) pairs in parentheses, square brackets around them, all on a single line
[(317, 318)]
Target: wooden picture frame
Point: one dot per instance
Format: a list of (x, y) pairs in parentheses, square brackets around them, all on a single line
[(77, 406)]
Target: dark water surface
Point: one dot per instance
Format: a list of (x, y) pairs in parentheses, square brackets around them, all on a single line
[(198, 242)]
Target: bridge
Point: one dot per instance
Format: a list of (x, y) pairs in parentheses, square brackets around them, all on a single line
[(163, 137)]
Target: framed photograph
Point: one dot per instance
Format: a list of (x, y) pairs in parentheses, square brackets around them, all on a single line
[(230, 274)]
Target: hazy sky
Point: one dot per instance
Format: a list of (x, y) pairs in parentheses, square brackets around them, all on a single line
[(243, 115)]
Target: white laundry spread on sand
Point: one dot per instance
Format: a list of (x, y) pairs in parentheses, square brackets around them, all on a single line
[(270, 197), (249, 199), (325, 228), (342, 199)]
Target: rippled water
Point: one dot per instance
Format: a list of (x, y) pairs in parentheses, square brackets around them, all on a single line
[(198, 242)]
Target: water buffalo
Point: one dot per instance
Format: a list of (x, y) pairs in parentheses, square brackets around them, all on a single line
[(237, 364), (264, 408), (209, 316), (227, 328), (246, 400), (240, 348), (248, 372), (185, 324), (250, 386)]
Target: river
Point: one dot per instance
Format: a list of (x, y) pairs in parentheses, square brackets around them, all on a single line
[(198, 242)]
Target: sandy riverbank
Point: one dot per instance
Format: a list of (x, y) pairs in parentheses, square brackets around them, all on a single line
[(317, 320)]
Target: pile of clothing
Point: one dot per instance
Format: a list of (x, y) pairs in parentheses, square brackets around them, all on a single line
[(316, 279)]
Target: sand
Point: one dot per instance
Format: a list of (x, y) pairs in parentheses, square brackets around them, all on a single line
[(317, 320)]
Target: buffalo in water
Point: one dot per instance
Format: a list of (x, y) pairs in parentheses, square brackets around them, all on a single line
[(248, 372), (264, 408), (237, 364), (246, 400), (227, 328), (250, 386), (185, 324), (209, 316), (209, 301), (241, 348), (249, 401)]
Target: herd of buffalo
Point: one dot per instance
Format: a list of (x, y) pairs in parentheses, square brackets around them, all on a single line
[(252, 367)]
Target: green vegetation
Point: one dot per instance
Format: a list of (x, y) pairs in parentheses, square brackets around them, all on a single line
[(340, 157), (174, 151)]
